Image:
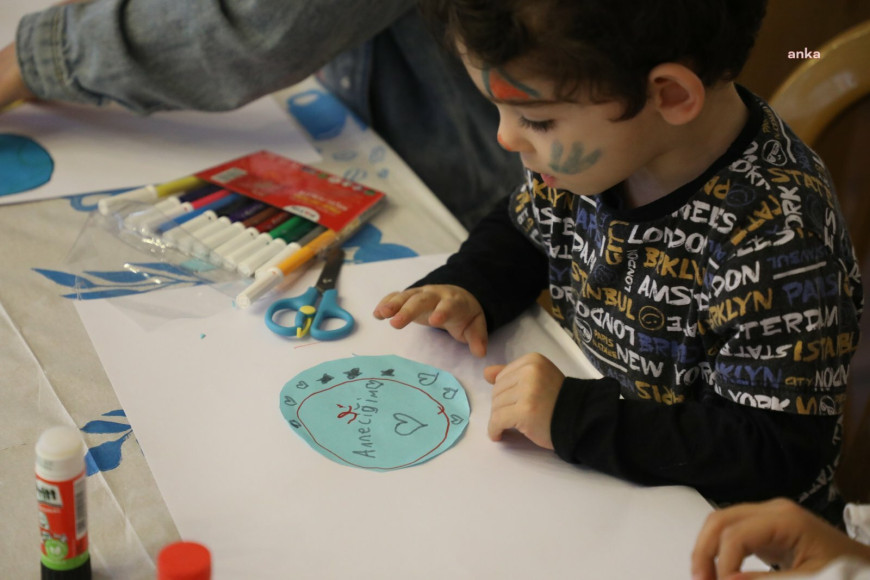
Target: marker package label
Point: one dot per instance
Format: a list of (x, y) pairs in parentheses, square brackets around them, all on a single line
[(63, 522), (316, 195)]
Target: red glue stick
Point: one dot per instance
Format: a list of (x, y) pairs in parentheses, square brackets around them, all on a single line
[(184, 561), (61, 490)]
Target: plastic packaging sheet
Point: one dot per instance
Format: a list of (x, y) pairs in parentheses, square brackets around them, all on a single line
[(109, 259)]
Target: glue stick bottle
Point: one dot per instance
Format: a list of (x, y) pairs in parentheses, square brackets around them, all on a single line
[(184, 561), (62, 495)]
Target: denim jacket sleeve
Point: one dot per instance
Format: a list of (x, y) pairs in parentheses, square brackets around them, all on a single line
[(210, 55)]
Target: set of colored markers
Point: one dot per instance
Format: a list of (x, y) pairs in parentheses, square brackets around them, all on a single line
[(262, 215)]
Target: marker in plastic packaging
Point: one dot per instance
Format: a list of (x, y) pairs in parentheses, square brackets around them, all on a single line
[(294, 255), (136, 218), (184, 561), (186, 244), (147, 224), (222, 252), (62, 496), (149, 193), (278, 241), (234, 260)]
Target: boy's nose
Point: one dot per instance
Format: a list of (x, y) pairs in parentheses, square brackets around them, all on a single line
[(502, 142), (511, 140)]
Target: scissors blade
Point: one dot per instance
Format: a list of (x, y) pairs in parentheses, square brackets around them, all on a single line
[(329, 274)]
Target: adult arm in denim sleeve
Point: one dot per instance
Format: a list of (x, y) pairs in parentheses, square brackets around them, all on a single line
[(210, 55), (498, 265)]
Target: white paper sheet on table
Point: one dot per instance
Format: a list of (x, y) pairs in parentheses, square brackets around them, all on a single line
[(99, 149), (202, 395)]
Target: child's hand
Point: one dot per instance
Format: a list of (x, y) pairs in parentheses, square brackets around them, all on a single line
[(524, 397), (441, 306), (12, 87), (778, 531)]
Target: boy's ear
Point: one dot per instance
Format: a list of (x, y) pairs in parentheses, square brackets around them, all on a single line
[(676, 93)]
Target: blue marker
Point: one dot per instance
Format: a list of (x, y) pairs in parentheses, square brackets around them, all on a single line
[(184, 218), (197, 219)]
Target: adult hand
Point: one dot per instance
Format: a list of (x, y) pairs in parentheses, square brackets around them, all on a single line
[(779, 531), (12, 87), (523, 397), (445, 306)]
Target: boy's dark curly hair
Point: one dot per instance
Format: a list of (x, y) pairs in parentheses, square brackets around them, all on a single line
[(605, 48)]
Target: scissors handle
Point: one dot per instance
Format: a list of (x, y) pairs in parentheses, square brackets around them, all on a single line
[(305, 313), (327, 309)]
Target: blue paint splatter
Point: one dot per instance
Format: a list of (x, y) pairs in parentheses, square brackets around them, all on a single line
[(24, 164), (87, 202), (319, 113), (146, 277), (377, 154), (107, 455), (369, 248), (345, 155), (355, 174)]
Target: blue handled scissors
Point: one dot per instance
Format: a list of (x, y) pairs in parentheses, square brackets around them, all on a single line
[(311, 316)]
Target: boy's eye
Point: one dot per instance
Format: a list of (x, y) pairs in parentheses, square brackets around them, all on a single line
[(537, 125)]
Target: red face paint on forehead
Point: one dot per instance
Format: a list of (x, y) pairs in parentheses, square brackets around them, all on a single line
[(504, 88)]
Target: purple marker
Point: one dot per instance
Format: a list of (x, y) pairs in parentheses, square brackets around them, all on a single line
[(250, 232), (198, 217), (184, 238)]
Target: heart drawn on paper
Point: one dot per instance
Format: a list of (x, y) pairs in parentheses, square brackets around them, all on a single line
[(406, 424), (427, 379)]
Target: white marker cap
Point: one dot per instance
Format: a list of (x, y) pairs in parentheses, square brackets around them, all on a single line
[(260, 256), (145, 194), (258, 287), (278, 258)]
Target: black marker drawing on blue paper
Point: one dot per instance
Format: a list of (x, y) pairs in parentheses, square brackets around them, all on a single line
[(399, 419)]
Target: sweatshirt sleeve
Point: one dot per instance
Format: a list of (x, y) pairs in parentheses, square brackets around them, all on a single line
[(498, 265), (209, 55), (728, 452)]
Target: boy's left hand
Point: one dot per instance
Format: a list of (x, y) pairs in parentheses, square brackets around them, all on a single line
[(523, 397)]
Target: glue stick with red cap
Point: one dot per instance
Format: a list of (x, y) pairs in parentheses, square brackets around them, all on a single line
[(184, 561), (62, 496)]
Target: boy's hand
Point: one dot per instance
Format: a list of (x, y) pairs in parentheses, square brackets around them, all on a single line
[(12, 87), (524, 397), (777, 531), (441, 306)]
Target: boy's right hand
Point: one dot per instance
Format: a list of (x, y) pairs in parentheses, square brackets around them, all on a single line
[(445, 306)]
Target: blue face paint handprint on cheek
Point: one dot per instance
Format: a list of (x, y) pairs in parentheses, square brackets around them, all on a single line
[(24, 164)]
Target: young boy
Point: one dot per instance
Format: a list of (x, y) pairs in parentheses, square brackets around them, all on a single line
[(692, 245)]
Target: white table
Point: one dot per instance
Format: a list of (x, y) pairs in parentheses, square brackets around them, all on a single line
[(51, 374)]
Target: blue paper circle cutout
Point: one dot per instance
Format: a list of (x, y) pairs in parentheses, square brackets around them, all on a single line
[(24, 164), (376, 412)]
